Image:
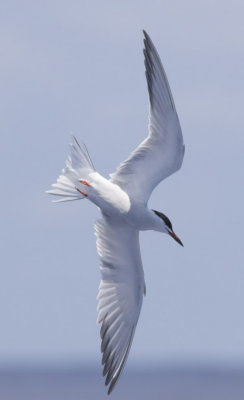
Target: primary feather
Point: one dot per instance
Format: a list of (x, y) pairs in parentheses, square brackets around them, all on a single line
[(120, 292)]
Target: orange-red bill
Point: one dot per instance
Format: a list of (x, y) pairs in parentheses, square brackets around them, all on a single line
[(174, 236)]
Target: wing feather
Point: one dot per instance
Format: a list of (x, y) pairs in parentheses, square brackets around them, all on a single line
[(161, 153), (120, 293)]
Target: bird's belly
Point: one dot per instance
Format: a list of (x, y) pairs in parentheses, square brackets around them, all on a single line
[(109, 197)]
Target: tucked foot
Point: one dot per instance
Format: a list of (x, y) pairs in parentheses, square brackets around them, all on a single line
[(85, 183), (80, 191)]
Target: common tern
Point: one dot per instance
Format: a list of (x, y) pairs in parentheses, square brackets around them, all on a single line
[(122, 200)]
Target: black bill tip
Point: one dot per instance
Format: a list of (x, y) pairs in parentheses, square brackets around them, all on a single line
[(174, 236)]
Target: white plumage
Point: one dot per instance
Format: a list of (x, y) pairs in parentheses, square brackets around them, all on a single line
[(123, 204), (120, 292)]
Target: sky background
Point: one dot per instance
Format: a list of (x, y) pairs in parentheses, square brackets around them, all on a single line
[(77, 67)]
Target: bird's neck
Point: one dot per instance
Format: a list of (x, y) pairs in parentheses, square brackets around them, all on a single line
[(144, 219)]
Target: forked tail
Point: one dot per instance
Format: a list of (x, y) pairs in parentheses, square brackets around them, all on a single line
[(77, 167)]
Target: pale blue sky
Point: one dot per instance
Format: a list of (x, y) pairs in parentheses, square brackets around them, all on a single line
[(77, 67)]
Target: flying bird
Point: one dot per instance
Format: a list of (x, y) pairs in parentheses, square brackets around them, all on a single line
[(122, 200)]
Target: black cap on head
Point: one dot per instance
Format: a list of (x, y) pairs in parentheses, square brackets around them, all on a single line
[(169, 226), (164, 218)]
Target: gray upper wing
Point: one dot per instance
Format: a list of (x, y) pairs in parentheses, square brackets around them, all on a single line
[(161, 153)]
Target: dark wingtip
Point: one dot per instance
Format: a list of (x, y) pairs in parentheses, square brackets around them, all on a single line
[(145, 33)]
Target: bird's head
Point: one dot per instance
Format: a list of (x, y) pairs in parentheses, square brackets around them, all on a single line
[(167, 226)]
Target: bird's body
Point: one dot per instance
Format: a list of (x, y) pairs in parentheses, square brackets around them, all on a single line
[(108, 196), (122, 200)]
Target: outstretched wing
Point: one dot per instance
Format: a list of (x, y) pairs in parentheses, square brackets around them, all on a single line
[(161, 153), (120, 293)]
